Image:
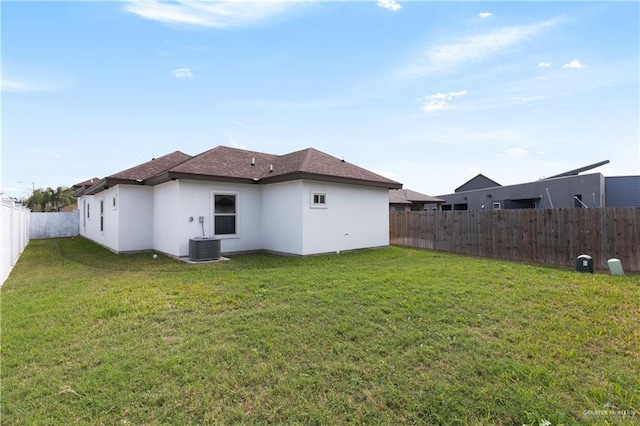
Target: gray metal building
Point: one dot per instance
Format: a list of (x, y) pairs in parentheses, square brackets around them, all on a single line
[(569, 189)]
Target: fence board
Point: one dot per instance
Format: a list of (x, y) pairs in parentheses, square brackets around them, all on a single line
[(546, 236)]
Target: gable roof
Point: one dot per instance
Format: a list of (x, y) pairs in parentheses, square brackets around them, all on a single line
[(478, 182), (237, 165), (407, 196)]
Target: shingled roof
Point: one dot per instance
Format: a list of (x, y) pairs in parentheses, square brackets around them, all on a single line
[(137, 175), (231, 164), (237, 165)]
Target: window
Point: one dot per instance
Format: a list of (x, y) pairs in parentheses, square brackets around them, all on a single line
[(496, 206), (88, 211), (319, 200), (225, 214), (102, 215)]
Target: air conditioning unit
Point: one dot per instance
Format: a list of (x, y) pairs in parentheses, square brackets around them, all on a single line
[(204, 248)]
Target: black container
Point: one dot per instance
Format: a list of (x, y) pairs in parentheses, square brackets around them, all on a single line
[(584, 263)]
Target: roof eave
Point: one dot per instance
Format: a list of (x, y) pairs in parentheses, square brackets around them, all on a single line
[(109, 182), (328, 178)]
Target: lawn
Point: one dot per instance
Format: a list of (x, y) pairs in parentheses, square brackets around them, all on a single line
[(389, 336)]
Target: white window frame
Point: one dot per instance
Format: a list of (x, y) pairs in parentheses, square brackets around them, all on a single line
[(214, 214), (318, 200), (497, 205)]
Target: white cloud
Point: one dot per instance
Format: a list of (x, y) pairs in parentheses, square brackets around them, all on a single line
[(484, 15), (474, 48), (515, 152), (16, 86), (441, 101), (544, 64), (218, 14), (389, 4), (182, 73), (574, 64), (43, 153)]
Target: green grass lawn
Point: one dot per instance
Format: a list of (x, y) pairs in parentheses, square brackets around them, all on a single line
[(390, 336)]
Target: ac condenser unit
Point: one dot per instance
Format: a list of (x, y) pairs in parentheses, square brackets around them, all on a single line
[(204, 248)]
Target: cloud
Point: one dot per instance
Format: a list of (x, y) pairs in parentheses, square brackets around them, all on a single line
[(389, 4), (182, 73), (219, 14), (515, 152), (43, 153), (484, 15), (475, 48), (441, 101), (574, 64), (16, 86), (544, 64)]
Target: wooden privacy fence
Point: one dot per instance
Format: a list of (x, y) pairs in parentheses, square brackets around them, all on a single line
[(545, 236)]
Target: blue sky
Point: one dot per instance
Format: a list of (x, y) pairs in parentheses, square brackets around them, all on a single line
[(427, 93)]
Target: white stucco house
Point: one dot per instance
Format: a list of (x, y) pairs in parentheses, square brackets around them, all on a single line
[(302, 203)]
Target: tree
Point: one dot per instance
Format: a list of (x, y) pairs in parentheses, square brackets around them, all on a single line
[(49, 199)]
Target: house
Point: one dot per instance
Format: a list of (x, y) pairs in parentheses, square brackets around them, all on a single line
[(564, 190), (402, 200), (302, 203)]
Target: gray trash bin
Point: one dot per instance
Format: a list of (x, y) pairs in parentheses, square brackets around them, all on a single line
[(584, 263)]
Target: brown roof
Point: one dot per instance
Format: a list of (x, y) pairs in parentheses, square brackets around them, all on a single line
[(137, 175), (407, 196), (237, 165), (153, 167), (250, 166), (88, 182)]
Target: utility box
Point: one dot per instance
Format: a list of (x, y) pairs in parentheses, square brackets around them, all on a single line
[(203, 248), (615, 267), (584, 263)]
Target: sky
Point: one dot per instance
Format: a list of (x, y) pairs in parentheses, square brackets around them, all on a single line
[(429, 94)]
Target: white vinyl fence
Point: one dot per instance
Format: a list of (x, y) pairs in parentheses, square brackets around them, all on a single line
[(15, 235), (54, 225)]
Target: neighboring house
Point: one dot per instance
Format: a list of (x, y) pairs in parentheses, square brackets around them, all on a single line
[(301, 203), (403, 200), (568, 189)]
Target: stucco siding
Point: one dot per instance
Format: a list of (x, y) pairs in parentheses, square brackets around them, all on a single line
[(197, 199), (355, 217), (281, 223), (166, 210), (133, 208)]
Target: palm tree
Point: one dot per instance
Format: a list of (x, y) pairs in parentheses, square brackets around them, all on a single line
[(61, 197), (38, 200), (49, 199)]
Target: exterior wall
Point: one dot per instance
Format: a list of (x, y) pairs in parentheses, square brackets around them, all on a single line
[(561, 191), (177, 206), (277, 217), (622, 191), (166, 208), (90, 219), (54, 225), (355, 217), (131, 212), (196, 199), (281, 222)]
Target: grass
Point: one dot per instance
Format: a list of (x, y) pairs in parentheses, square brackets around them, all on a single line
[(390, 336)]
